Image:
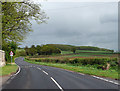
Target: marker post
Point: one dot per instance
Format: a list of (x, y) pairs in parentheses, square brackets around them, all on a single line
[(11, 54), (11, 59)]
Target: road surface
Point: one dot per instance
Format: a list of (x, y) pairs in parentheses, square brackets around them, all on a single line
[(32, 76)]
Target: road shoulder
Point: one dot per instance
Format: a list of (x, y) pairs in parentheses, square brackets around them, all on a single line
[(3, 80)]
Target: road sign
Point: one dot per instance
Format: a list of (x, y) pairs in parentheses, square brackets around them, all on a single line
[(11, 53)]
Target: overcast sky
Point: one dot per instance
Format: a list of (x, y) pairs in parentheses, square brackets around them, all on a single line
[(77, 23)]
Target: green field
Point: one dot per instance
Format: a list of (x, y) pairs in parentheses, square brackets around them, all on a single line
[(78, 51), (66, 52), (86, 51), (8, 69)]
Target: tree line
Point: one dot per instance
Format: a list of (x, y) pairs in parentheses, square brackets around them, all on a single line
[(41, 50)]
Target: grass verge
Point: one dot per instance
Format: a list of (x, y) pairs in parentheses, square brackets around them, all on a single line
[(82, 69), (8, 69)]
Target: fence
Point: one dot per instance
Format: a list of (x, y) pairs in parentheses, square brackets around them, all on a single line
[(2, 58)]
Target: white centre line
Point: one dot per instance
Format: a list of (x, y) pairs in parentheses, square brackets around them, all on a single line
[(57, 84), (81, 73), (39, 68), (45, 72)]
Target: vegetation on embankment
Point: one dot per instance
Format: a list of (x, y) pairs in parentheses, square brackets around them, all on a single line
[(87, 66), (8, 69)]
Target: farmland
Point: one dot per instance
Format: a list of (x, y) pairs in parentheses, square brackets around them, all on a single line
[(78, 54), (85, 59)]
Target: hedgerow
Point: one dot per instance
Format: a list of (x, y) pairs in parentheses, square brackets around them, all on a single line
[(95, 62)]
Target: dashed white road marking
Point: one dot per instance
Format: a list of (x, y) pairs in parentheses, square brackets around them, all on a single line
[(45, 72), (12, 77), (57, 84), (7, 82), (39, 68), (106, 80), (81, 73)]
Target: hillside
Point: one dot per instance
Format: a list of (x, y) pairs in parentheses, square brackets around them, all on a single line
[(69, 47)]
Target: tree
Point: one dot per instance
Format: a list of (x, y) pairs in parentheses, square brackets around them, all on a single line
[(38, 48), (16, 21), (73, 49), (13, 47), (27, 50), (33, 50), (33, 46), (49, 50)]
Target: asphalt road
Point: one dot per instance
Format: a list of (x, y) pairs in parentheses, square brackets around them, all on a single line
[(32, 76)]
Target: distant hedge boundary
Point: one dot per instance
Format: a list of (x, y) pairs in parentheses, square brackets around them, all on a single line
[(100, 63)]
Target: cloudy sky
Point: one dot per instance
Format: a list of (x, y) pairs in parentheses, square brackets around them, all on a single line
[(77, 23)]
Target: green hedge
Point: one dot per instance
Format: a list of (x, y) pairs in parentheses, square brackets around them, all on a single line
[(96, 62)]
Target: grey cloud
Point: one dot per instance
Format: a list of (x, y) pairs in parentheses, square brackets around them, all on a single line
[(108, 18), (78, 24)]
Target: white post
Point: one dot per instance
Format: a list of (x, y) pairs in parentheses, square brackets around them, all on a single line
[(11, 59)]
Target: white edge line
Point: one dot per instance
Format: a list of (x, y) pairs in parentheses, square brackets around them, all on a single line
[(57, 84), (45, 72), (106, 80), (19, 69)]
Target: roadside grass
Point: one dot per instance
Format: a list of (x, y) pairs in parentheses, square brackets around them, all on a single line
[(8, 69), (82, 69)]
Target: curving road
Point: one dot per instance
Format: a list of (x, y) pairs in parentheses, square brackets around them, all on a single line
[(32, 76)]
